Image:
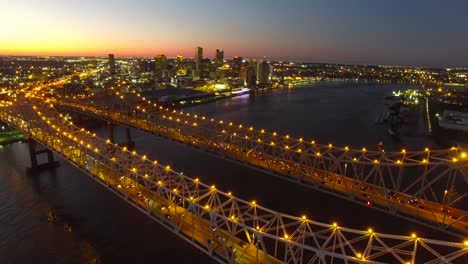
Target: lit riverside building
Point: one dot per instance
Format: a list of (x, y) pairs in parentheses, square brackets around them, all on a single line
[(237, 65), (263, 72)]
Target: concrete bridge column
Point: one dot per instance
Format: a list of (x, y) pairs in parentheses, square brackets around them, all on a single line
[(129, 142), (34, 152), (111, 132)]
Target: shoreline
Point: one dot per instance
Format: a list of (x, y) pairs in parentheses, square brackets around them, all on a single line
[(10, 137), (222, 96), (178, 105)]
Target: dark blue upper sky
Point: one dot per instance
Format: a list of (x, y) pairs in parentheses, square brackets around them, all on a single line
[(411, 32)]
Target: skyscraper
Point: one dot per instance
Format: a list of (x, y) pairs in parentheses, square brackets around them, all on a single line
[(181, 70), (160, 70), (263, 72), (112, 64), (198, 61), (237, 65), (219, 58), (160, 66), (248, 73)]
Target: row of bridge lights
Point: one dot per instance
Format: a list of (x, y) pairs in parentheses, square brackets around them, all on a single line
[(253, 203), (195, 116), (69, 135), (168, 168), (286, 236), (144, 158), (4, 103), (463, 155), (124, 149)]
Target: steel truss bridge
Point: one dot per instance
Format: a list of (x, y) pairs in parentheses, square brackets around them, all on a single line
[(228, 229), (427, 186)]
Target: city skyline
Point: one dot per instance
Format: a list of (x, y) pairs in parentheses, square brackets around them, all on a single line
[(348, 32)]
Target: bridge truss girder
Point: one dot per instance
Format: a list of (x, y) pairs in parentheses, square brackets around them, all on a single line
[(214, 221), (429, 184)]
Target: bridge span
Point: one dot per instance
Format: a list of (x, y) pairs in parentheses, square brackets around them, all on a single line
[(229, 229), (427, 186)]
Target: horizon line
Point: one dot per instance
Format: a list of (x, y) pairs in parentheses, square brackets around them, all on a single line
[(273, 60)]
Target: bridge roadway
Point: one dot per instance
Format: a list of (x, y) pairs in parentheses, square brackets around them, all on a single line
[(165, 199), (162, 210), (191, 132)]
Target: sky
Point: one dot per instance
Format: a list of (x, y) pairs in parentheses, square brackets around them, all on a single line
[(397, 32)]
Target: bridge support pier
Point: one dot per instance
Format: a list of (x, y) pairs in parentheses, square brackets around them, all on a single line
[(34, 152), (129, 143), (111, 132)]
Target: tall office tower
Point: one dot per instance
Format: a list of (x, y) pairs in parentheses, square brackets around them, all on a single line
[(248, 74), (219, 58), (160, 67), (237, 65), (263, 72), (243, 75), (181, 70), (198, 61), (112, 64), (206, 68), (253, 66), (160, 70)]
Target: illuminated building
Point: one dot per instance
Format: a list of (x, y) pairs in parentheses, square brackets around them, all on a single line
[(181, 70), (112, 64), (219, 58), (263, 72), (225, 72), (237, 65), (248, 74), (206, 68), (160, 70), (198, 62)]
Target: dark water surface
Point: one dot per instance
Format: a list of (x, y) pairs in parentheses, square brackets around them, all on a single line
[(105, 229)]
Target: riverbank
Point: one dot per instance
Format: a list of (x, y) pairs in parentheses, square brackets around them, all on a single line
[(183, 97), (445, 137), (11, 136), (208, 98)]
